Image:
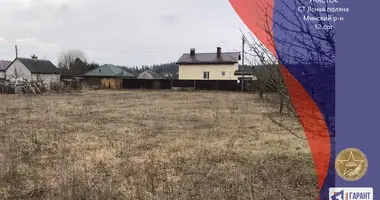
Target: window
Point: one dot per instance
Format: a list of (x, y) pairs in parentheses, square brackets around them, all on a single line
[(223, 73), (206, 75)]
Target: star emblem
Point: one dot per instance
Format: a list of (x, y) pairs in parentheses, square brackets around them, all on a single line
[(350, 164)]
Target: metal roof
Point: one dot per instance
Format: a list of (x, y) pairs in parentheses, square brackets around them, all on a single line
[(148, 74), (108, 71), (210, 58), (38, 66)]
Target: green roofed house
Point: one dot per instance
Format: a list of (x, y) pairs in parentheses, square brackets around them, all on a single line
[(107, 76)]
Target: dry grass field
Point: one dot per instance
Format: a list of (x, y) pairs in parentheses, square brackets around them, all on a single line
[(139, 144)]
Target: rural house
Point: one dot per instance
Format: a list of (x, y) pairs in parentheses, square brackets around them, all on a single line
[(30, 69), (148, 74), (208, 66), (107, 76), (3, 66), (248, 71), (167, 75)]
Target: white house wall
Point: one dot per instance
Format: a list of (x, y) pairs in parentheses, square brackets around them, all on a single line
[(18, 70), (46, 78), (195, 72)]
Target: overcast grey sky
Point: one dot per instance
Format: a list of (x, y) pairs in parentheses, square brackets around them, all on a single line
[(123, 32)]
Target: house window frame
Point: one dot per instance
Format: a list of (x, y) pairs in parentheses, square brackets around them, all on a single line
[(206, 75)]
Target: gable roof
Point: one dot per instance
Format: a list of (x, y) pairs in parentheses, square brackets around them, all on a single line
[(4, 64), (209, 58), (108, 71), (148, 74), (38, 66)]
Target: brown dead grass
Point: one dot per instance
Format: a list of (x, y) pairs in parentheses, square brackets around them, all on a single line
[(149, 145)]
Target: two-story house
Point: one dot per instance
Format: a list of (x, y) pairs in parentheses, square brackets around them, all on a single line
[(208, 66)]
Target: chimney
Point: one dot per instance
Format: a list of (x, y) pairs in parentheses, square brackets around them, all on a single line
[(192, 52), (218, 52)]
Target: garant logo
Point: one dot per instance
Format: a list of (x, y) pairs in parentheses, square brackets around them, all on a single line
[(351, 194)]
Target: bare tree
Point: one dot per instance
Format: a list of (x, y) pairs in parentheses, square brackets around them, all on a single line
[(67, 59), (298, 42), (303, 46), (17, 74)]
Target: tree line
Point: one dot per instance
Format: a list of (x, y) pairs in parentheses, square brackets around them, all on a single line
[(74, 63)]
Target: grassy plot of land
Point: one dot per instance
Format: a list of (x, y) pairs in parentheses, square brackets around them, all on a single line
[(150, 145)]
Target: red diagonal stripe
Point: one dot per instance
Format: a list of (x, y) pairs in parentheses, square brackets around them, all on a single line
[(258, 16)]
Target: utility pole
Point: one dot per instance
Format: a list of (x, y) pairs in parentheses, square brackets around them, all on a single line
[(16, 51), (242, 63)]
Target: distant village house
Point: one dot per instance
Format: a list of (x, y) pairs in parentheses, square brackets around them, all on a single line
[(3, 66), (107, 76), (29, 69), (148, 74)]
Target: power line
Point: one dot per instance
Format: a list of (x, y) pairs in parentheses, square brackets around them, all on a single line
[(206, 43), (161, 48), (173, 47)]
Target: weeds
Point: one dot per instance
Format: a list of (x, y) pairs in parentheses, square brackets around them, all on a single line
[(107, 145)]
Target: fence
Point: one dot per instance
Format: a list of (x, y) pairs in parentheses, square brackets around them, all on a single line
[(225, 85)]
